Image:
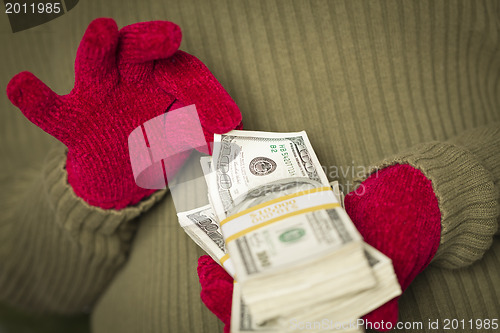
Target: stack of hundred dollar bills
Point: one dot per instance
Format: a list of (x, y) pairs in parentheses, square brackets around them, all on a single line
[(277, 226)]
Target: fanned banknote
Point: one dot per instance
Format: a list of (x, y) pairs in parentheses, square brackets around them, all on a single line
[(203, 228), (275, 224), (284, 229), (339, 314), (245, 160)]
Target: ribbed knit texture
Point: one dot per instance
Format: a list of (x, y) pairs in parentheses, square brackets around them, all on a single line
[(365, 79), (469, 207), (484, 144), (467, 293), (158, 288), (64, 252)]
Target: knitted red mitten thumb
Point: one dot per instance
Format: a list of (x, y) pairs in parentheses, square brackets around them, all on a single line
[(216, 289), (397, 212), (117, 89)]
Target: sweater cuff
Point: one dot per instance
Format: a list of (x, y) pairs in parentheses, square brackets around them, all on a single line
[(466, 195), (77, 216)]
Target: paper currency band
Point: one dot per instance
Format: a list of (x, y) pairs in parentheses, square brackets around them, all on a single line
[(278, 210), (224, 258), (274, 201), (227, 263), (258, 226)]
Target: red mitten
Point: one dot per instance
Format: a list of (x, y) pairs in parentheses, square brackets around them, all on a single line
[(216, 289), (395, 210), (122, 79)]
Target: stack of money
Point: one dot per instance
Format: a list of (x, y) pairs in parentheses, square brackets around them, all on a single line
[(275, 224), (203, 228)]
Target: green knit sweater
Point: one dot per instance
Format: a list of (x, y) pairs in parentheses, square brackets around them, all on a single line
[(372, 82)]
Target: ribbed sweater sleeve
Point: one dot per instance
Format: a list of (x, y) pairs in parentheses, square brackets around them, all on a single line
[(465, 176), (57, 253)]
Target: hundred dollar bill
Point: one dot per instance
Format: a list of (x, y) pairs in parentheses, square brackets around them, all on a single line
[(244, 160), (282, 223), (203, 228), (287, 311), (208, 173), (339, 194), (353, 305), (304, 220), (333, 315)]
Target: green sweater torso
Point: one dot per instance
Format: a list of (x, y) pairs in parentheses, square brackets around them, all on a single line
[(372, 83)]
